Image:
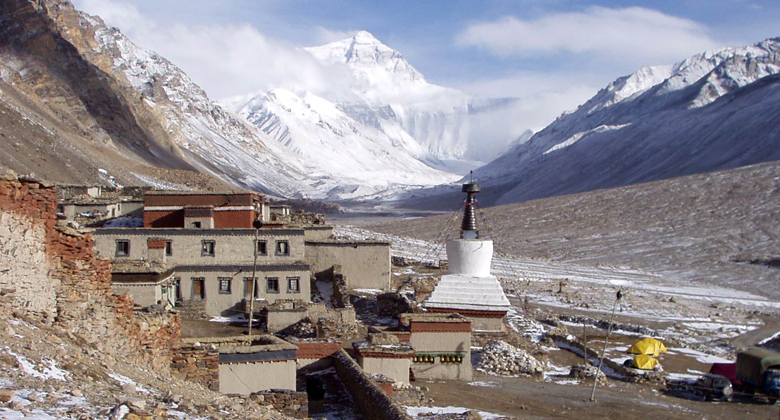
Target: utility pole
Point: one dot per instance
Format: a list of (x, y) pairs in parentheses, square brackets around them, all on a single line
[(604, 350), (257, 224)]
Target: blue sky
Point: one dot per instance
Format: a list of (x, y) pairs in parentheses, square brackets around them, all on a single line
[(556, 52)]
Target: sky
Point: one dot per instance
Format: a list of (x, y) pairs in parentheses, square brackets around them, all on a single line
[(554, 54)]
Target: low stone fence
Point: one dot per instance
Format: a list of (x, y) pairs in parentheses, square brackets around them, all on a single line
[(369, 397), (611, 369), (291, 403)]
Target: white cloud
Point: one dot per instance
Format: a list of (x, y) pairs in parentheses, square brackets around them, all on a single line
[(325, 35), (225, 60), (633, 35)]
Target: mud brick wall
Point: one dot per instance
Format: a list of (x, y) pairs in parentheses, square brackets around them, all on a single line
[(197, 364), (75, 291), (291, 403), (369, 397)]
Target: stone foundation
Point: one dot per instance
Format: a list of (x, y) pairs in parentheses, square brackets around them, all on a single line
[(292, 403), (197, 364)]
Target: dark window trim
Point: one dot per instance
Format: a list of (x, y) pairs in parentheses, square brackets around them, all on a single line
[(229, 285), (203, 252), (116, 249), (289, 289), (279, 253), (268, 289), (261, 241)]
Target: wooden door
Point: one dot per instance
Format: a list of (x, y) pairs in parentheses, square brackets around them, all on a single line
[(197, 289)]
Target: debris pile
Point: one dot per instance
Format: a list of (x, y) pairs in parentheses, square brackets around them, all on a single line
[(501, 358), (584, 372)]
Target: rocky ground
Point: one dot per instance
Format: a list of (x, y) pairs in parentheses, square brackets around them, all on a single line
[(48, 373)]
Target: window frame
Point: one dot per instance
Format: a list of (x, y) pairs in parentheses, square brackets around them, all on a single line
[(168, 248), (116, 249), (265, 247), (267, 285), (279, 253), (229, 281), (203, 252), (289, 284)]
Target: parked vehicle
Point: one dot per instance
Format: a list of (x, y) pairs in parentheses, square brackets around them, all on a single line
[(715, 387), (759, 369)]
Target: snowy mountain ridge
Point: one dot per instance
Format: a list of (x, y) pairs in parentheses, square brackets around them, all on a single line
[(715, 110)]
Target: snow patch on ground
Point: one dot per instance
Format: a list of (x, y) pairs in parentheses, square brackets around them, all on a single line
[(48, 368), (416, 411)]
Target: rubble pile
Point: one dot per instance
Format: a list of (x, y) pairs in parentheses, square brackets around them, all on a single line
[(584, 372), (501, 358), (301, 329)]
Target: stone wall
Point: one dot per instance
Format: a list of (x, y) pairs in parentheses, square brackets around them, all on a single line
[(24, 266), (199, 364), (291, 403), (369, 397), (75, 292), (366, 265)]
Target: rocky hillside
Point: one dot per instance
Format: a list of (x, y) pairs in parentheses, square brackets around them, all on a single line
[(716, 110), (84, 104), (717, 228)]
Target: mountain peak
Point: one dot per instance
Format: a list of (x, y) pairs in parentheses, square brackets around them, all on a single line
[(365, 37)]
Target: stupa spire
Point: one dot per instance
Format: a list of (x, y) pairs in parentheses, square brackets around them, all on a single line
[(468, 228)]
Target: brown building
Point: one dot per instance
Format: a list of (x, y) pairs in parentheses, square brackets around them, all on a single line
[(203, 210)]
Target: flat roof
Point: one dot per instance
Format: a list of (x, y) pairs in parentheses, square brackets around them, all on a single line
[(177, 192), (195, 232)]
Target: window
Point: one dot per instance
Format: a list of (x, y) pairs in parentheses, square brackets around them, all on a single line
[(262, 248), (122, 247), (248, 286), (293, 285), (196, 225), (282, 248), (207, 248), (272, 284), (224, 285), (168, 248)]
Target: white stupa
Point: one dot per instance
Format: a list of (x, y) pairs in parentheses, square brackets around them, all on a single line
[(469, 289)]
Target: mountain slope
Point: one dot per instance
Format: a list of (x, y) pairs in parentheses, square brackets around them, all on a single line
[(117, 108), (715, 110), (718, 228), (345, 158)]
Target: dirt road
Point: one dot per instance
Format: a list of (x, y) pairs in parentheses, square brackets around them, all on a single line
[(527, 398)]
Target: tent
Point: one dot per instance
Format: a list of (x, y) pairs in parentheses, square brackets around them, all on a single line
[(648, 345), (644, 362)]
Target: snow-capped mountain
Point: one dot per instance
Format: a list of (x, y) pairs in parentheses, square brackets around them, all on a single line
[(132, 114), (351, 158), (435, 116), (713, 111), (388, 106)]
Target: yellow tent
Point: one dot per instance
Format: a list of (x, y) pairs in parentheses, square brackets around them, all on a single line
[(648, 346), (644, 362)]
